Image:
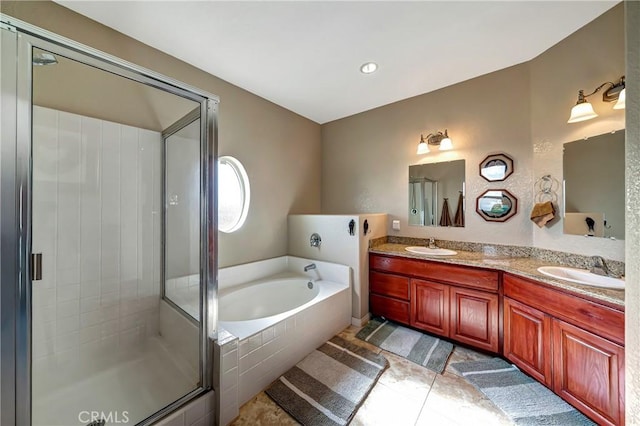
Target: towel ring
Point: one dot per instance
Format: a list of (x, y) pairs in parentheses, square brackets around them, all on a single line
[(547, 189)]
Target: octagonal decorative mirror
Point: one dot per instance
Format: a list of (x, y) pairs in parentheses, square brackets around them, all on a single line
[(496, 167), (496, 205)]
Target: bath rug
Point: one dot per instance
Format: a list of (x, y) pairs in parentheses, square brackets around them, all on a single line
[(330, 384), (421, 348), (520, 397)]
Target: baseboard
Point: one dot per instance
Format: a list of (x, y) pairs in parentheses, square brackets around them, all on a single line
[(359, 322)]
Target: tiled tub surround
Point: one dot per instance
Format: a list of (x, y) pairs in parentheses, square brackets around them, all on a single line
[(97, 338), (254, 353), (523, 261)]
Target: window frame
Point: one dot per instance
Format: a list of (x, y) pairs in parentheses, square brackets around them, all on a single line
[(245, 186)]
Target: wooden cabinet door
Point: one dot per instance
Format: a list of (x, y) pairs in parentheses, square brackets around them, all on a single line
[(474, 318), (430, 307), (589, 373), (527, 340)]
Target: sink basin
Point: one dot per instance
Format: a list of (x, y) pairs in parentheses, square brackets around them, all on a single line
[(431, 251), (581, 276)]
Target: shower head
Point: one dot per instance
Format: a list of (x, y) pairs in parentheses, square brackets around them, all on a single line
[(43, 58)]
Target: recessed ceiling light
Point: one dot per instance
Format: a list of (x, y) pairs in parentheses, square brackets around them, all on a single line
[(368, 67)]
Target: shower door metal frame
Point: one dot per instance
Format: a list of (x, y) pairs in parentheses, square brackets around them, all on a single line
[(16, 234)]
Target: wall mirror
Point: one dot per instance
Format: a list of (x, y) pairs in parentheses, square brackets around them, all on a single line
[(436, 194), (497, 205), (593, 170), (496, 167)]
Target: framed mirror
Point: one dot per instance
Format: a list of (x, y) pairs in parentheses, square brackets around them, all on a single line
[(436, 192), (496, 205), (496, 167), (594, 197)]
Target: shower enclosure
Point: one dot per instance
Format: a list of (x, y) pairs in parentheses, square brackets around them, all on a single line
[(107, 187), (423, 201)]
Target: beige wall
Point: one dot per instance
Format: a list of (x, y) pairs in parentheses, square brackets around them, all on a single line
[(280, 150), (366, 157), (521, 111), (584, 60), (632, 293)]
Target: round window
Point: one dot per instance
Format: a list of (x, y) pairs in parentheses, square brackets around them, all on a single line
[(233, 194)]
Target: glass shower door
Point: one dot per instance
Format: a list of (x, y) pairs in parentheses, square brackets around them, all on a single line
[(104, 345), (182, 216)]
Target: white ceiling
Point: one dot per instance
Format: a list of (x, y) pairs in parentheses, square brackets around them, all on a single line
[(305, 56)]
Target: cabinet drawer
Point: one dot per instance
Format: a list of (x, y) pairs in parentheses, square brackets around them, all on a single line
[(389, 308), (389, 285), (453, 274), (598, 319)]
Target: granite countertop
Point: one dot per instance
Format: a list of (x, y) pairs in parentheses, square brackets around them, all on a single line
[(523, 266)]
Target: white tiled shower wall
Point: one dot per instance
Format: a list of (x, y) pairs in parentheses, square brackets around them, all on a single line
[(96, 221)]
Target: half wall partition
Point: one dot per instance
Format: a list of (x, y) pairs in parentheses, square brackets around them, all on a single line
[(87, 219)]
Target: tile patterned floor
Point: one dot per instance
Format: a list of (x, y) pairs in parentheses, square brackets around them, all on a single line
[(405, 395)]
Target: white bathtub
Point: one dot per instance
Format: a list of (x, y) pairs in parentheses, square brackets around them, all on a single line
[(250, 308), (277, 321), (266, 298)]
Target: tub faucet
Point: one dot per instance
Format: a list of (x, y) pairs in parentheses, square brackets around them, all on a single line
[(600, 267), (310, 267)]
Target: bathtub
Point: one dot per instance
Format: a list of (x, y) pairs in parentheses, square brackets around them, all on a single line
[(250, 308), (271, 315)]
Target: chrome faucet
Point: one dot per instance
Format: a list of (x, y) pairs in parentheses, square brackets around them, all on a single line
[(432, 243), (310, 267), (600, 267)]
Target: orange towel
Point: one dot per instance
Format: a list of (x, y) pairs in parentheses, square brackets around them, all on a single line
[(543, 213)]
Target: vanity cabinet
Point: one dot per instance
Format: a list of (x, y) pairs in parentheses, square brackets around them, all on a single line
[(570, 342), (572, 345), (452, 301)]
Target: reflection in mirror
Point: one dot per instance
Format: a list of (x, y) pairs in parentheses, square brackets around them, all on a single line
[(497, 205), (434, 189), (594, 186), (496, 167)]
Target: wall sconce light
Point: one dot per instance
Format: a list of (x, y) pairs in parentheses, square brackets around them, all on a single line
[(438, 139), (583, 110)]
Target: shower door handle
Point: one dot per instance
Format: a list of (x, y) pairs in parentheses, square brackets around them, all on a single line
[(36, 266)]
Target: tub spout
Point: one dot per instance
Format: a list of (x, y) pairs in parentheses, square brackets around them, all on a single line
[(310, 267)]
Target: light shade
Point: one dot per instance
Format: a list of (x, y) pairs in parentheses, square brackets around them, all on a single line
[(582, 111), (621, 100), (445, 144), (423, 147)]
